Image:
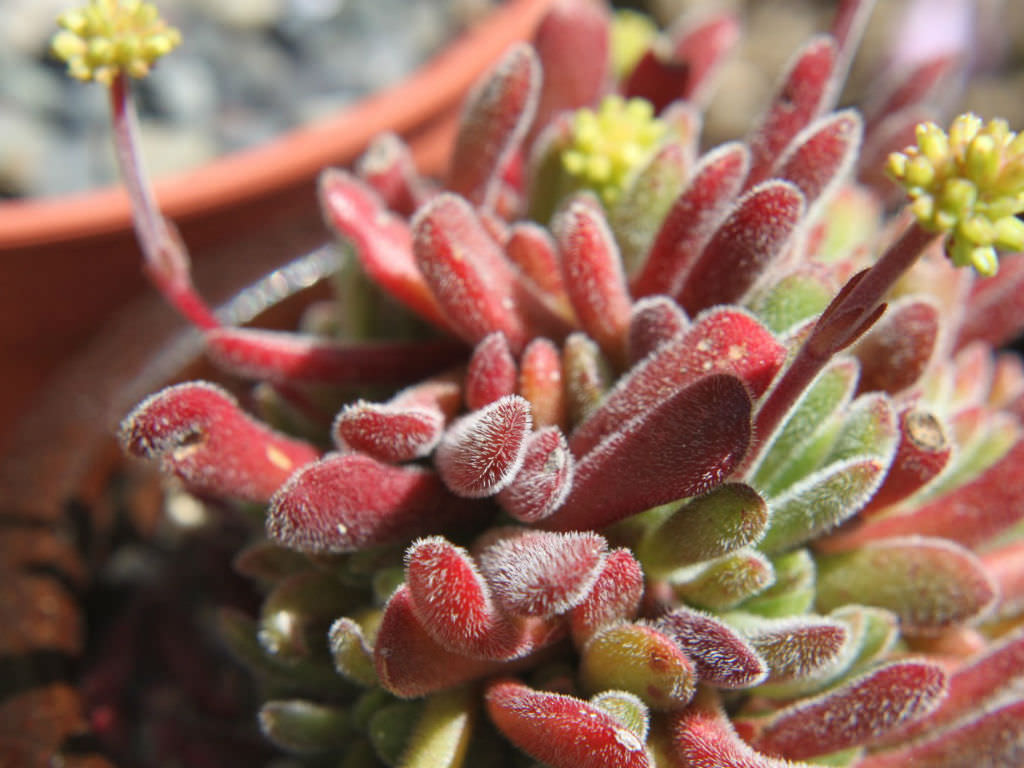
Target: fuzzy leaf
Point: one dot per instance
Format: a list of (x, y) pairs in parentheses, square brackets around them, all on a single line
[(908, 87), (389, 167), (752, 236), (200, 435), (538, 573), (627, 708), (692, 219), (492, 372), (614, 596), (442, 732), (722, 657), (896, 351), (725, 582), (928, 583), (352, 654), (794, 647), (821, 155), (587, 376), (344, 503), (533, 250), (793, 590), (995, 312), (296, 614), (1006, 565), (387, 433), (544, 480), (562, 731), (654, 320), (723, 340), (496, 117), (705, 739), (540, 382), (707, 527), (855, 713), (793, 299), (481, 453), (303, 727), (683, 446), (641, 660)]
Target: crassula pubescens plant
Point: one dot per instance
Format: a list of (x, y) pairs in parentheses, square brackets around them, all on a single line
[(694, 458)]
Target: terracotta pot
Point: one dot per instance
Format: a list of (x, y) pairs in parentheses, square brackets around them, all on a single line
[(67, 264)]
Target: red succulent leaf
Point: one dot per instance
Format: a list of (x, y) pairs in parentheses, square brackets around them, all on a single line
[(538, 573), (587, 376), (803, 95), (200, 435), (722, 657), (544, 480), (615, 596), (388, 433), (534, 251), (497, 115), (289, 358), (442, 393), (692, 220), (344, 503), (704, 738), (410, 663), (540, 382), (821, 155), (570, 80), (682, 446), (383, 242), (973, 369), (562, 731), (593, 276), (724, 583), (481, 452), (1006, 565), (794, 647), (492, 372), (896, 351), (698, 49), (995, 308), (654, 321), (856, 712), (752, 236), (911, 88), (388, 167), (727, 340), (467, 271), (454, 605)]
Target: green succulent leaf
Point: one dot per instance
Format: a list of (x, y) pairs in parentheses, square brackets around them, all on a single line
[(304, 727)]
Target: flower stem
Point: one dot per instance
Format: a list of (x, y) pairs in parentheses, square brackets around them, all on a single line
[(166, 261)]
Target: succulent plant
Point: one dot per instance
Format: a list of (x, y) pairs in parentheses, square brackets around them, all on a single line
[(636, 454)]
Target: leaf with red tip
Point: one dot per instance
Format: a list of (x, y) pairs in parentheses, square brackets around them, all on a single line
[(200, 435), (593, 276), (497, 115), (382, 241), (897, 350), (540, 382), (1006, 565), (538, 573), (387, 433), (726, 340), (752, 236), (543, 482), (728, 581), (388, 167), (492, 372), (722, 657), (562, 731), (692, 220), (284, 357), (482, 452), (344, 503), (928, 583), (802, 96), (697, 50), (639, 659), (654, 321), (855, 713), (534, 251), (706, 739), (683, 446), (909, 87), (467, 271), (614, 596), (587, 376), (794, 647), (995, 307), (821, 156)]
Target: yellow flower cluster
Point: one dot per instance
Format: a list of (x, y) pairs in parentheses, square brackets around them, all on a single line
[(110, 36), (610, 146), (969, 183)]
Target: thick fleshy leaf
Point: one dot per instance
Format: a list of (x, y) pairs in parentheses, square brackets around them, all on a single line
[(725, 340), (728, 518), (534, 251), (794, 298), (351, 653), (794, 647), (722, 656), (821, 156), (1006, 565), (654, 320), (725, 582), (388, 166), (627, 708), (344, 503), (639, 659), (303, 727), (593, 277), (802, 95), (467, 271), (562, 731), (928, 583), (481, 452), (290, 358), (387, 433), (704, 738), (909, 86), (497, 115), (682, 446), (440, 738), (543, 482), (896, 351), (995, 311), (587, 376), (614, 596), (382, 241), (855, 713), (296, 614), (539, 573), (491, 374), (540, 382), (692, 220), (793, 590), (199, 434), (753, 235)]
